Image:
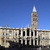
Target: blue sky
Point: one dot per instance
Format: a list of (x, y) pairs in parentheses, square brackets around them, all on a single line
[(16, 13)]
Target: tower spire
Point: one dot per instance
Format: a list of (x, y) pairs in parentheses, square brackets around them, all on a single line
[(34, 19), (34, 9)]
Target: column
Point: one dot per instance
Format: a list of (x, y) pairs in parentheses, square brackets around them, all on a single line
[(49, 38), (21, 32), (30, 36), (4, 41), (30, 32), (12, 33), (17, 35), (25, 33), (25, 41), (37, 34), (21, 41), (21, 35), (30, 42), (25, 36)]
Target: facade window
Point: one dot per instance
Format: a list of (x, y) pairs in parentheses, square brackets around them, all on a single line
[(27, 42), (35, 42), (6, 40), (43, 37), (31, 42), (3, 40), (19, 32), (31, 33), (35, 32), (27, 32), (3, 34), (23, 33), (16, 34), (10, 31)]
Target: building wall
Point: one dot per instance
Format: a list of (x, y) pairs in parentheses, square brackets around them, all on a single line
[(0, 36), (44, 38), (25, 36)]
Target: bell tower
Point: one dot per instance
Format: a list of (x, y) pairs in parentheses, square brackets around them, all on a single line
[(34, 19)]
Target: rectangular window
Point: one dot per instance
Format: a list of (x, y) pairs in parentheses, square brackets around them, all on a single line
[(23, 33), (31, 42), (31, 33), (35, 32), (27, 42), (27, 32), (23, 42), (19, 32), (10, 31), (35, 42), (2, 42)]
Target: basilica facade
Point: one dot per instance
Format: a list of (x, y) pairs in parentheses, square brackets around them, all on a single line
[(25, 36)]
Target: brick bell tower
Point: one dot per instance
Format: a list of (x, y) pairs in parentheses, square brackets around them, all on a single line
[(34, 19)]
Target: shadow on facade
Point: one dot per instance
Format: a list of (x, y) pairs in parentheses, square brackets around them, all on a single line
[(2, 48), (17, 46)]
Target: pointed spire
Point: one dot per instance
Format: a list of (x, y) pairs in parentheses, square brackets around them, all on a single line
[(34, 9)]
